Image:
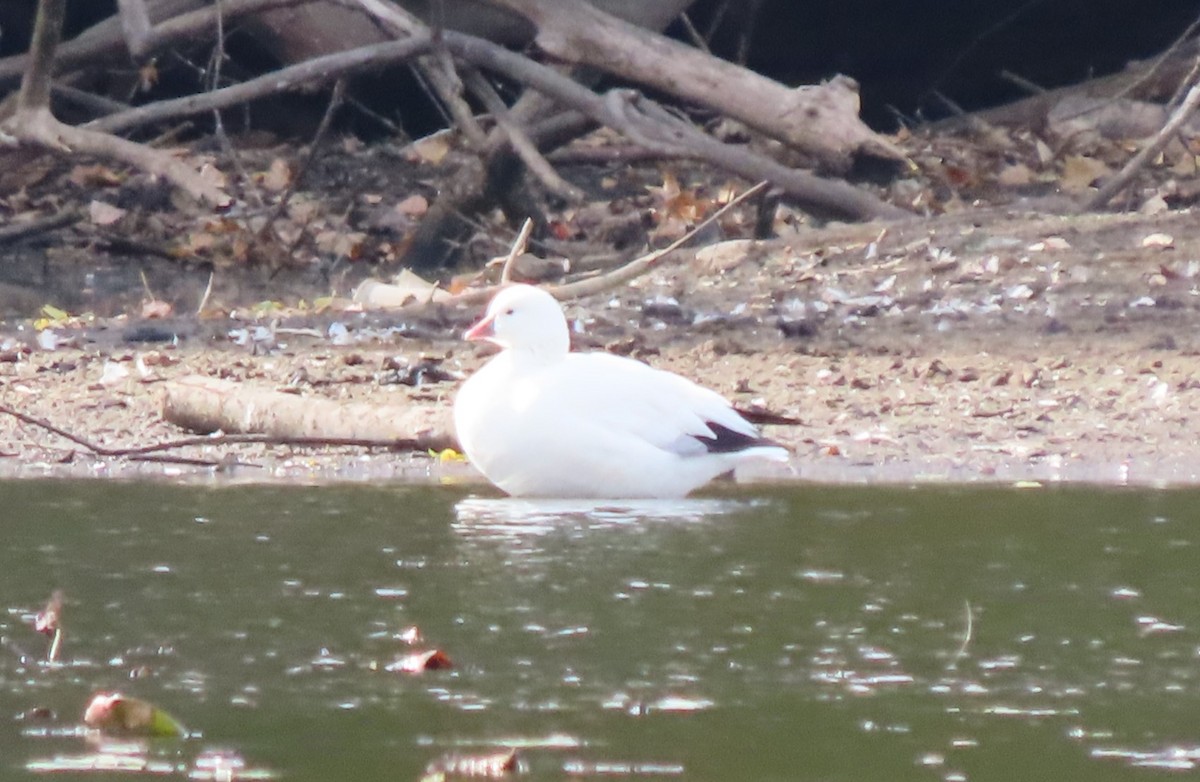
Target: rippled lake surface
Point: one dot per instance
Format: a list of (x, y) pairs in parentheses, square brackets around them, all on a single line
[(803, 633)]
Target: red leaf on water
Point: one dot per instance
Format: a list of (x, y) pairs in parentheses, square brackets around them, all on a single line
[(113, 712), (419, 662), (49, 618), (492, 766)]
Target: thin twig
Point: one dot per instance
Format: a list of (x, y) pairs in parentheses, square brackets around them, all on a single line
[(55, 646), (1159, 61), (50, 622), (435, 69), (519, 140), (591, 285), (518, 246), (335, 102), (208, 289), (1018, 80), (146, 286), (643, 264), (1185, 83), (214, 83), (693, 34), (302, 76), (16, 231)]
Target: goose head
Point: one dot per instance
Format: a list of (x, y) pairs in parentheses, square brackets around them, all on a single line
[(524, 319)]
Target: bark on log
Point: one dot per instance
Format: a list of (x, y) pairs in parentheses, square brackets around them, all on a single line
[(206, 405), (820, 121), (296, 34)]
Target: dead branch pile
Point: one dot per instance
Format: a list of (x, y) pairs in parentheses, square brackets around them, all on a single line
[(322, 42)]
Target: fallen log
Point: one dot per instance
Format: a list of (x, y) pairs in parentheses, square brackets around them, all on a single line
[(205, 405), (820, 121)]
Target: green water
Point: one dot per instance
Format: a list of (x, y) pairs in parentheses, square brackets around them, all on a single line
[(794, 634)]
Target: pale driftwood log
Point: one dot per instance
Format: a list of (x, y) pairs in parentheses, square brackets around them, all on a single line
[(820, 121), (205, 404)]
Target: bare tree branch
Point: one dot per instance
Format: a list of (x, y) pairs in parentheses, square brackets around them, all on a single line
[(34, 124), (626, 114), (1122, 178), (303, 76)]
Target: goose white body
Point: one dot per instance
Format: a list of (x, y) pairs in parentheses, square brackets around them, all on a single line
[(538, 420)]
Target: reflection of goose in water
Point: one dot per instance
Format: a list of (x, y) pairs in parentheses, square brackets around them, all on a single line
[(516, 519), (541, 421)]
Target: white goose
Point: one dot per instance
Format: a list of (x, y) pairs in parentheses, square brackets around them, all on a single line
[(538, 420)]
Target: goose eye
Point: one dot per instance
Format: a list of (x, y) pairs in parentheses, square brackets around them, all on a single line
[(508, 311)]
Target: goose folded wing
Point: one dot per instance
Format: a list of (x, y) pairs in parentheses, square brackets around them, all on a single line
[(661, 408)]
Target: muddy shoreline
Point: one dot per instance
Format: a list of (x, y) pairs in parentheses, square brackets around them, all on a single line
[(1029, 349)]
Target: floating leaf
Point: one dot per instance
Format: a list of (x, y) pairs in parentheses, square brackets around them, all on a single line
[(432, 660), (113, 712), (447, 455), (49, 618), (492, 766)]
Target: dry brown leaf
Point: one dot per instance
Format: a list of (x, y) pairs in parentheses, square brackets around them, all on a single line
[(430, 150), (157, 308), (94, 176), (277, 177), (198, 242), (147, 76), (1159, 240), (413, 206), (344, 243), (303, 210), (1185, 165), (113, 712), (101, 213), (1015, 175), (213, 176), (1080, 171), (405, 288)]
